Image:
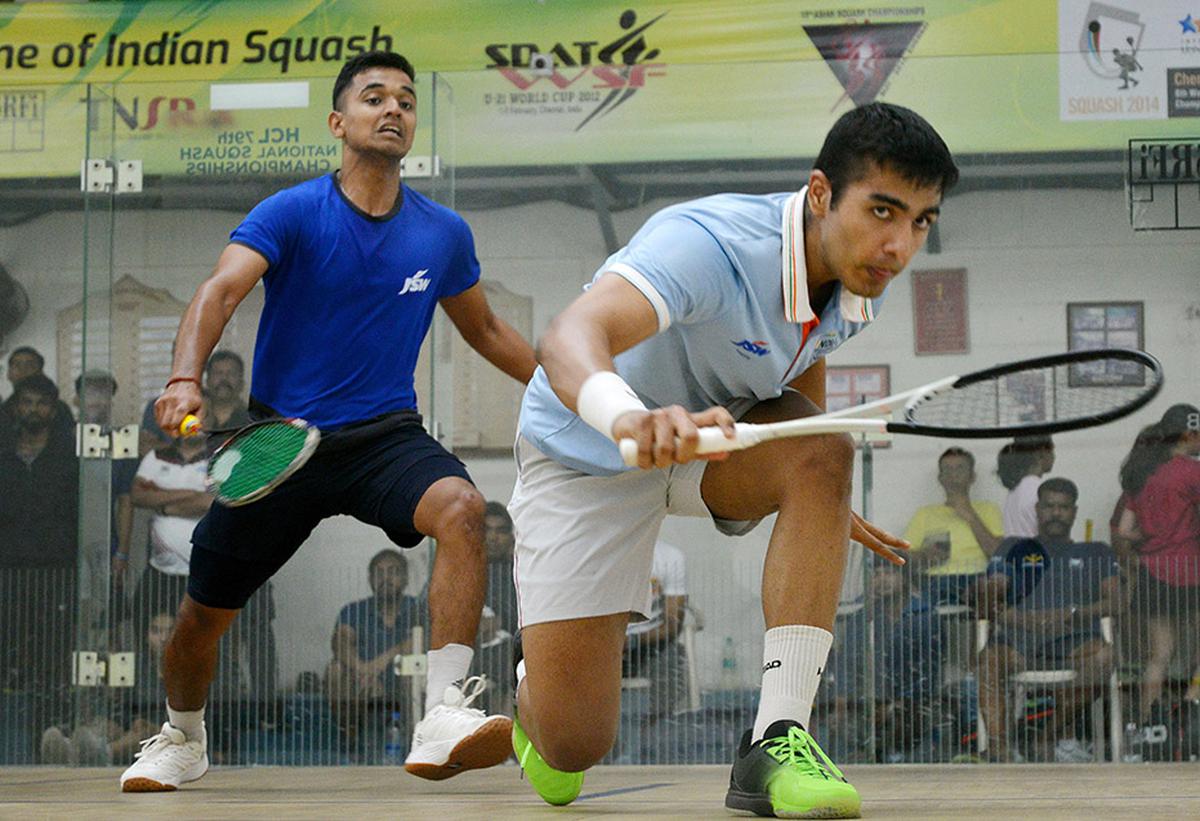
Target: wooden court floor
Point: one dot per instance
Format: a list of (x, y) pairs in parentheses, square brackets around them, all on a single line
[(974, 792)]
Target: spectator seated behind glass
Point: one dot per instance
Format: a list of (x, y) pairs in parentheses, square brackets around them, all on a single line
[(652, 648), (1046, 595), (953, 541), (224, 381), (1021, 464), (494, 659), (94, 392), (501, 594), (111, 738), (367, 637), (25, 362), (39, 498), (170, 482), (908, 644), (1160, 526)]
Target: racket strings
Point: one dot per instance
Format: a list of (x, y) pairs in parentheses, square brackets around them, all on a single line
[(255, 458), (1034, 396)]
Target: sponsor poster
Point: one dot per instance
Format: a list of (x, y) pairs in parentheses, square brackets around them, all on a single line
[(521, 82), (1129, 59)]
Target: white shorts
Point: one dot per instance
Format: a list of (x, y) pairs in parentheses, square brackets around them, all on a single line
[(585, 544)]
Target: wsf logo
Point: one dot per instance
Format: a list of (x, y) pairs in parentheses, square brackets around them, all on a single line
[(758, 347), (415, 283)]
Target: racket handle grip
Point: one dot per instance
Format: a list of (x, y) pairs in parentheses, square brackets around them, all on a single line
[(712, 440), (190, 426)]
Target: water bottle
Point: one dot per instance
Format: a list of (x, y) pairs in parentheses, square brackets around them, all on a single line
[(393, 745), (729, 673)]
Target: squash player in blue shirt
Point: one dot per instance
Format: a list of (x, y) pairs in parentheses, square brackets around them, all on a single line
[(354, 264), (717, 309)]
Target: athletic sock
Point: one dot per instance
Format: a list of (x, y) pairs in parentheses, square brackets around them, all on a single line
[(189, 722), (445, 666), (793, 660)]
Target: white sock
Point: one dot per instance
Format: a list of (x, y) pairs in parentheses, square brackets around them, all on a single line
[(445, 666), (190, 722), (793, 660)]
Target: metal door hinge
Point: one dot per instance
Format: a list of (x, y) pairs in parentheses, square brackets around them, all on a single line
[(102, 175), (88, 669), (95, 442)]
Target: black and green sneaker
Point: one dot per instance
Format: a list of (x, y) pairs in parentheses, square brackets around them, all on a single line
[(786, 775)]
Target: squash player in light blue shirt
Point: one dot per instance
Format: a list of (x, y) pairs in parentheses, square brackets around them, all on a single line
[(718, 309)]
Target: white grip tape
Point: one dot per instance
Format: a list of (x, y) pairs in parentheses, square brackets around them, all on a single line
[(603, 397), (712, 440)]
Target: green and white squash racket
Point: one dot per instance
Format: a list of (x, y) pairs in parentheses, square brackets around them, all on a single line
[(256, 458)]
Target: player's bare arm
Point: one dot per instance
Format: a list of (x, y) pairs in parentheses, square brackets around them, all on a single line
[(611, 317), (494, 339), (238, 270)]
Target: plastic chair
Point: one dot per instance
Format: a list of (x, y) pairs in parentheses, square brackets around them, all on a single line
[(1042, 679)]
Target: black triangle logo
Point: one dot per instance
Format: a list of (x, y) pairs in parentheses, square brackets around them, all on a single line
[(863, 56)]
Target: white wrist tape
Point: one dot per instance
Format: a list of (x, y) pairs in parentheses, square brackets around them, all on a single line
[(603, 397)]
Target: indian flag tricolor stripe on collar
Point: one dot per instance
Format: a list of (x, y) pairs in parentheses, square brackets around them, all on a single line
[(795, 271)]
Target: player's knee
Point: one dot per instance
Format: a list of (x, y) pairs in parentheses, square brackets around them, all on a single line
[(825, 461), (198, 624), (579, 749), (461, 519)]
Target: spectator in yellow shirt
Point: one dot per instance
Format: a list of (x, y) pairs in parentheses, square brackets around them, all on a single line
[(953, 541)]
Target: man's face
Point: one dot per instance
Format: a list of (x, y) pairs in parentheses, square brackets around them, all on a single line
[(159, 631), (21, 365), (34, 411), (498, 536), (389, 577), (956, 473), (378, 113), (1056, 515), (224, 380), (879, 223), (95, 406)]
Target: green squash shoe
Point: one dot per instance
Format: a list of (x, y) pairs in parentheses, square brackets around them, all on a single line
[(786, 775), (554, 786)]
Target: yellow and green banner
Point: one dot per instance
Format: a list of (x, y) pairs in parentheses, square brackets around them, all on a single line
[(219, 87)]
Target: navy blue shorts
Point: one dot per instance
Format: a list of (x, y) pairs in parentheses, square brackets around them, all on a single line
[(376, 471)]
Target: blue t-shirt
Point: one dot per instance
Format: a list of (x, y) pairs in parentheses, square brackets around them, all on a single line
[(372, 636), (714, 270), (349, 298)]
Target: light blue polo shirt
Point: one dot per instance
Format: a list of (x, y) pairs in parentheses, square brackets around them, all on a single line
[(717, 272)]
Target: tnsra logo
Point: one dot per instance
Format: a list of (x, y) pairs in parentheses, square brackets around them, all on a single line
[(619, 67), (415, 283), (758, 347)]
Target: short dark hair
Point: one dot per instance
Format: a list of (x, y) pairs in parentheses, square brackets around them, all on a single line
[(37, 383), (957, 451), (223, 356), (386, 553), (28, 351), (1016, 458), (1058, 484), (361, 62), (890, 136), (95, 378), (494, 508)]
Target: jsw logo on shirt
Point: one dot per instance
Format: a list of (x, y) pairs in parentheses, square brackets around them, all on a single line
[(758, 347), (415, 283)]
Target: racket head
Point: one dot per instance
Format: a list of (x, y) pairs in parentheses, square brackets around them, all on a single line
[(258, 458), (1045, 395)]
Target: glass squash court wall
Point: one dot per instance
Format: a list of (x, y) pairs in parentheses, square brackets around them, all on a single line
[(1037, 249)]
